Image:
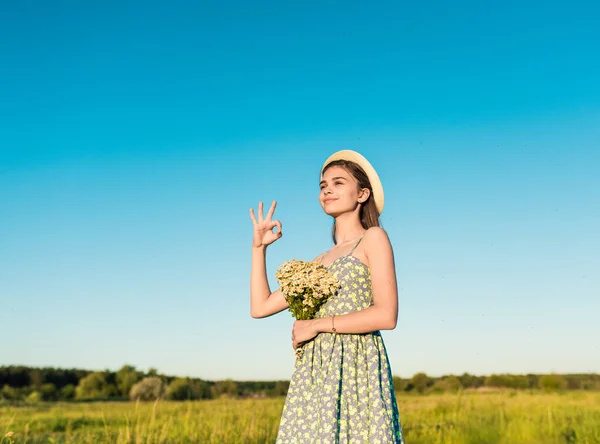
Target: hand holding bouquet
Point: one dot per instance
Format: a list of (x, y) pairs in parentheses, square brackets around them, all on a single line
[(306, 286)]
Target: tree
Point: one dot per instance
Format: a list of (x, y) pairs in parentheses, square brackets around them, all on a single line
[(49, 392), (180, 389), (420, 382), (95, 385), (507, 381), (150, 388), (280, 389), (227, 387), (533, 380), (67, 392), (399, 384), (34, 397), (15, 376), (447, 384), (9, 393), (188, 388), (471, 381), (553, 382), (126, 378), (35, 377)]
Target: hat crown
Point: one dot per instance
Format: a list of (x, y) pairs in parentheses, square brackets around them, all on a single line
[(360, 160)]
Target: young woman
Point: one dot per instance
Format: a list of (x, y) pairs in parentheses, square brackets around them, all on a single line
[(341, 389)]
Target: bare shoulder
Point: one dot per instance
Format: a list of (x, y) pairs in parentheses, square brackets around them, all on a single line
[(377, 248), (376, 236)]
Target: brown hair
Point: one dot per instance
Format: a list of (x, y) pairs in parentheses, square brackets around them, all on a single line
[(369, 216)]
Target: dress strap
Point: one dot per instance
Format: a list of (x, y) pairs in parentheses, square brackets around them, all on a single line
[(355, 245)]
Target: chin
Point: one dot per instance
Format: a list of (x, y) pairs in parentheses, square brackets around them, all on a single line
[(331, 212)]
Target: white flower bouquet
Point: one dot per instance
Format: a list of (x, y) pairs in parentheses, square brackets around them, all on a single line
[(306, 286)]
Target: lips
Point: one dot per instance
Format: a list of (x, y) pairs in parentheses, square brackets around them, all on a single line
[(329, 200)]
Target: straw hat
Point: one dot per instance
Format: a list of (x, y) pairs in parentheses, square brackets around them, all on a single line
[(359, 159)]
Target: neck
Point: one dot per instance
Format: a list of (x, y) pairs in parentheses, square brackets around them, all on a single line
[(347, 228)]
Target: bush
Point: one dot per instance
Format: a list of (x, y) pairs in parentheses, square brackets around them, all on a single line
[(399, 384), (180, 389), (420, 382), (281, 388), (126, 378), (471, 381), (49, 392), (227, 387), (95, 385), (67, 392), (507, 381), (447, 384), (553, 382), (34, 397), (150, 388), (9, 393)]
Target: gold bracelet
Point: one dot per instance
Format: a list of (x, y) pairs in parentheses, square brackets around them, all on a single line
[(333, 325)]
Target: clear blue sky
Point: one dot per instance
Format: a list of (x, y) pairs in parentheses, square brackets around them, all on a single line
[(135, 137)]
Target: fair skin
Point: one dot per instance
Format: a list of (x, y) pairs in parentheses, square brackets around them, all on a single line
[(341, 199)]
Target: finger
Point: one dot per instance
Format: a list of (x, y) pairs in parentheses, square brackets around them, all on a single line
[(260, 212), (274, 224), (271, 210), (252, 216)]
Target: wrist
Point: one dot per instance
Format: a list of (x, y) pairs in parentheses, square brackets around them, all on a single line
[(323, 325)]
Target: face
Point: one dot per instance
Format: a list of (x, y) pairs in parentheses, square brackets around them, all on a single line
[(339, 192)]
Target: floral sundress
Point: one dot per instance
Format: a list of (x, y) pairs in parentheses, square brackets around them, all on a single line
[(341, 390)]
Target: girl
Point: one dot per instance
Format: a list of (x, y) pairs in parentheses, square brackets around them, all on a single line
[(341, 389)]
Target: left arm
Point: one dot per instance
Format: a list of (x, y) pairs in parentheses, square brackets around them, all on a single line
[(383, 314)]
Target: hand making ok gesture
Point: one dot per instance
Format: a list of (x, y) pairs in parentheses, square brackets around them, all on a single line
[(263, 227)]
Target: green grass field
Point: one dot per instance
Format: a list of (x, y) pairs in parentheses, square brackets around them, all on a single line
[(474, 418)]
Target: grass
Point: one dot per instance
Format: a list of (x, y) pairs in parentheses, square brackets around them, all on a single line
[(465, 418)]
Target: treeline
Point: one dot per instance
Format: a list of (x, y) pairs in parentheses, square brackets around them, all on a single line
[(19, 383), (31, 384), (422, 383)]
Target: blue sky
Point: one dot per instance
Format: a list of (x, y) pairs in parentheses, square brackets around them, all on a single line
[(134, 138)]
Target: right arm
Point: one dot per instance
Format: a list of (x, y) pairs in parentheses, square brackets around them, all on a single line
[(263, 303)]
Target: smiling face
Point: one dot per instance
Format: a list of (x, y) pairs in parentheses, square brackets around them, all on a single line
[(340, 192)]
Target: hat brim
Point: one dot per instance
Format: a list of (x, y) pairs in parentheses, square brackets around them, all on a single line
[(359, 159)]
